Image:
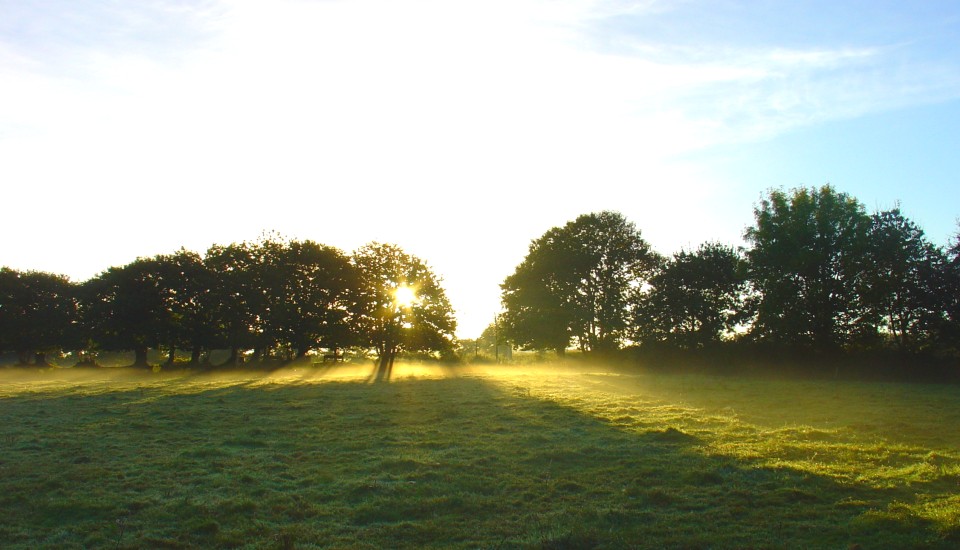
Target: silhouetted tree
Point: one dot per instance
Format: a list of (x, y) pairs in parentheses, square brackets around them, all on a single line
[(904, 283), (38, 314), (186, 285), (125, 308), (574, 284), (695, 299), (493, 338), (237, 296), (268, 276), (807, 260), (950, 332), (391, 322), (489, 345), (317, 294), (299, 295)]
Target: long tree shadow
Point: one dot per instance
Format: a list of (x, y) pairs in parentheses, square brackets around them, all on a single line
[(381, 373), (418, 463)]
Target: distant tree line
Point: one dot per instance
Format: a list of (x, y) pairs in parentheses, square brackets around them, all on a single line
[(268, 299), (819, 275)]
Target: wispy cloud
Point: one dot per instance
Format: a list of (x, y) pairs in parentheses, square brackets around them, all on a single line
[(750, 78)]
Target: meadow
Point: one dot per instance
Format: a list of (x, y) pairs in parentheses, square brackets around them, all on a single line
[(547, 456)]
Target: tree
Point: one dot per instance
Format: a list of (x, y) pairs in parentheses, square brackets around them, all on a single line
[(695, 299), (494, 341), (186, 285), (491, 344), (38, 314), (318, 288), (300, 295), (400, 305), (125, 308), (575, 283), (807, 260), (236, 298), (903, 287), (950, 332)]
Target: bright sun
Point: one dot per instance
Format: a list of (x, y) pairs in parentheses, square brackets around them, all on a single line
[(405, 296)]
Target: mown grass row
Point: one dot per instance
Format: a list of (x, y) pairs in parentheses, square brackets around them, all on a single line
[(495, 458)]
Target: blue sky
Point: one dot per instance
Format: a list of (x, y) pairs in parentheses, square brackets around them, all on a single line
[(459, 130)]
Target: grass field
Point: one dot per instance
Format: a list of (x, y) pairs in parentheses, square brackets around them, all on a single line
[(499, 457)]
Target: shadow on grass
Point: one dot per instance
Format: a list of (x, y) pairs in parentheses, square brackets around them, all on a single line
[(458, 462)]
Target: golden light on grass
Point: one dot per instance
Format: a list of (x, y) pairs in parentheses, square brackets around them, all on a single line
[(825, 461)]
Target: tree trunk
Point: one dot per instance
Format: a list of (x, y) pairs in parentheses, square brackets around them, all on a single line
[(40, 359), (23, 358), (195, 355), (140, 357), (172, 356)]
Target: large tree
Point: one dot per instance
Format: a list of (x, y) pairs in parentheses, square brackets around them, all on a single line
[(297, 295), (904, 285), (186, 285), (951, 293), (125, 308), (695, 299), (807, 260), (401, 305), (316, 291), (237, 297), (575, 284), (38, 314)]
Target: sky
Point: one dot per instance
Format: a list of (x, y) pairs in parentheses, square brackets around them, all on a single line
[(459, 130)]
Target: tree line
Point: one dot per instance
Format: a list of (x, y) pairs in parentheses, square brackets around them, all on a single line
[(819, 274), (273, 298)]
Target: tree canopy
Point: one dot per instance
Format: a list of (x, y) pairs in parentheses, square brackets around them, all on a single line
[(38, 313), (694, 299), (905, 282), (575, 285), (401, 305), (818, 274), (807, 260)]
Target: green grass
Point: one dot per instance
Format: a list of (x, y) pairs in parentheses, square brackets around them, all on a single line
[(473, 458)]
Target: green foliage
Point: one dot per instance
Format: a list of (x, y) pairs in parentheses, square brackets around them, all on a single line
[(904, 286), (951, 329), (315, 289), (425, 324), (575, 283), (236, 298), (186, 285), (694, 300), (125, 307), (282, 296), (276, 297), (807, 261), (822, 279), (492, 345), (38, 313)]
